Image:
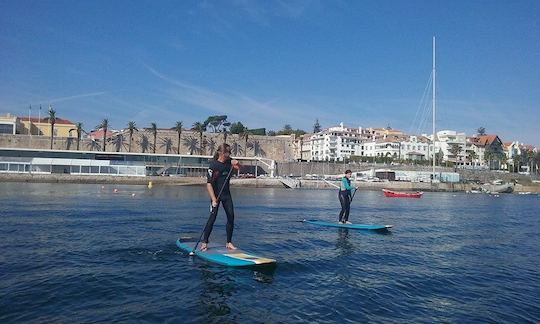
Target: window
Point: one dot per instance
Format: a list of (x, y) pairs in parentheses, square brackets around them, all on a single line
[(6, 128)]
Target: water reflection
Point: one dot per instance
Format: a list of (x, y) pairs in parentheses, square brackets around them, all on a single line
[(216, 289), (264, 274), (343, 244)]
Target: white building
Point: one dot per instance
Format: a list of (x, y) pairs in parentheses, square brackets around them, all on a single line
[(474, 153), (401, 147), (336, 143), (446, 139), (416, 148)]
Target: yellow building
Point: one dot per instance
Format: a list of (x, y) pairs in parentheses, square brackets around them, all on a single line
[(62, 127), (10, 124)]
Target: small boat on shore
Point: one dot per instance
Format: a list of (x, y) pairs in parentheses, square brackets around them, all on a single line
[(401, 194)]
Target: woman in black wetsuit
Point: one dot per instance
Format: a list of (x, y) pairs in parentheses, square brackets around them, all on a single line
[(218, 178)]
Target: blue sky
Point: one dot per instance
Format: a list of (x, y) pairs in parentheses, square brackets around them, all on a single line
[(270, 63)]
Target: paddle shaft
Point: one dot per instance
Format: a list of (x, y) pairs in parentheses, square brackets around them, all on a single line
[(213, 210)]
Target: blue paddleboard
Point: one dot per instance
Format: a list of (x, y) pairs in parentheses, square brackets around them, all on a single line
[(373, 227), (218, 253)]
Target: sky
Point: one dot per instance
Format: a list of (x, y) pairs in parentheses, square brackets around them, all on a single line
[(271, 63)]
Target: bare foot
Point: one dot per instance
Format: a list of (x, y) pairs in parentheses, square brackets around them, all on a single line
[(347, 222), (230, 246), (204, 247), (340, 222)]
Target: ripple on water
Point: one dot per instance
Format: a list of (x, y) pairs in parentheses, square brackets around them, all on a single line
[(79, 253)]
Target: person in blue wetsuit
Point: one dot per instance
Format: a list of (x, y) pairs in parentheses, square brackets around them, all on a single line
[(218, 178), (345, 190)]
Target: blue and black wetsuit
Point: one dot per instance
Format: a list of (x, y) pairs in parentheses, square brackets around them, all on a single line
[(345, 190), (218, 176)]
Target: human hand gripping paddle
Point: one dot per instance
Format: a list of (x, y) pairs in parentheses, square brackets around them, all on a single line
[(234, 164)]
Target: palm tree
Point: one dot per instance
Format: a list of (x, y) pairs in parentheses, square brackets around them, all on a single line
[(79, 130), (517, 161), (256, 147), (455, 149), (104, 125), (245, 135), (143, 142), (52, 121), (118, 142), (79, 134), (211, 144), (225, 131), (167, 143), (153, 130), (178, 129), (472, 156), (199, 128), (530, 159), (192, 143), (93, 145), (236, 148), (131, 128)]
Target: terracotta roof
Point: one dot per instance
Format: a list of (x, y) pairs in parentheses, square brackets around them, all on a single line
[(485, 139), (45, 120)]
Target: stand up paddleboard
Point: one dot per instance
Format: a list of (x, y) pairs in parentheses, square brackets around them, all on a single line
[(218, 253), (373, 227)]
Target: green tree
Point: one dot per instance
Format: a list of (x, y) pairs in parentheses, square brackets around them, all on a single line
[(287, 130), (52, 121), (225, 131), (79, 130), (244, 134), (481, 131), (516, 165), (236, 128), (455, 150), (471, 155), (104, 125), (178, 129), (199, 128), (216, 122), (131, 128), (317, 126), (153, 129)]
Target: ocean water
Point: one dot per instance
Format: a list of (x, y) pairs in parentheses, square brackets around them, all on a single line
[(84, 253)]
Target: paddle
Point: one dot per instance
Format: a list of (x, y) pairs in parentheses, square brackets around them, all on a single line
[(354, 193), (212, 211)]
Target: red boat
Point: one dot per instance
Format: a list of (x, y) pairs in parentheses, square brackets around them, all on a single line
[(397, 194)]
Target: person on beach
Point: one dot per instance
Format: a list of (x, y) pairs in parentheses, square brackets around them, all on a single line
[(217, 178), (345, 190)]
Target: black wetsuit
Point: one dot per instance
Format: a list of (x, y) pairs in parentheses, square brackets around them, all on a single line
[(345, 199), (217, 175)]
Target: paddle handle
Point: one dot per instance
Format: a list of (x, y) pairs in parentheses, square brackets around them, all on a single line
[(212, 211)]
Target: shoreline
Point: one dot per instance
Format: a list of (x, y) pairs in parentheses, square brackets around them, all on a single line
[(249, 183)]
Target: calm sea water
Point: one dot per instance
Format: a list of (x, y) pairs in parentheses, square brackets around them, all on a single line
[(82, 253)]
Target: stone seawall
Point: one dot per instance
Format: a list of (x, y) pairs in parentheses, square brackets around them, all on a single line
[(249, 183)]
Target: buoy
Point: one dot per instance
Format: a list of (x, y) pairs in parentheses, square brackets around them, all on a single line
[(150, 185), (115, 190), (132, 195)]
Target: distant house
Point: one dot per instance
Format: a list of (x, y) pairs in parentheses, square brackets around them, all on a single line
[(42, 126), (97, 134), (493, 149)]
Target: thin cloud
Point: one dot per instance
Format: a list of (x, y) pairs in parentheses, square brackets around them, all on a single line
[(60, 99), (234, 104)]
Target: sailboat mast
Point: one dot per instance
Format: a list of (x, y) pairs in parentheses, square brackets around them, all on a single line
[(434, 106)]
